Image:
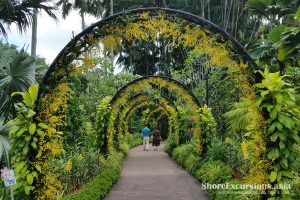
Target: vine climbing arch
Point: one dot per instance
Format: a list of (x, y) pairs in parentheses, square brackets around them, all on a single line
[(180, 29), (129, 98)]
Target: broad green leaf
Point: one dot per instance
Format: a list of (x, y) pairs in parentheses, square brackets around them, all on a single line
[(284, 163), (274, 137), (273, 192), (298, 14), (279, 126), (279, 98), (260, 85), (29, 179), (17, 93), (38, 167), (19, 166), (43, 126), (281, 145), (272, 128), (21, 131), (40, 133), (33, 144), (27, 99), (296, 138), (287, 174), (273, 114), (264, 93), (273, 176), (273, 154), (33, 92), (28, 189), (32, 128), (25, 150), (30, 113), (27, 138), (275, 33)]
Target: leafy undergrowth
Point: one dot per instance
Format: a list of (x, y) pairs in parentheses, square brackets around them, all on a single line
[(101, 185)]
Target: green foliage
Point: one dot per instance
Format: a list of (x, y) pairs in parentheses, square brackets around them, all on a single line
[(238, 118), (24, 134), (21, 13), (102, 117), (78, 166), (17, 73), (170, 143), (99, 187), (278, 101), (208, 125), (214, 172), (192, 163), (4, 145), (228, 153), (221, 95), (184, 125), (296, 188), (296, 163), (181, 152), (133, 140)]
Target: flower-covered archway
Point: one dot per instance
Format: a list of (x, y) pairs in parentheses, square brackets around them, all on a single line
[(129, 98), (178, 28)]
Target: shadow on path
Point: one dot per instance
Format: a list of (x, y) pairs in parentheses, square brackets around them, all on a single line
[(152, 175)]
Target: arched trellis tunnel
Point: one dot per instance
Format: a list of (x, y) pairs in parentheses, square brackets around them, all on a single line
[(179, 29), (129, 98)]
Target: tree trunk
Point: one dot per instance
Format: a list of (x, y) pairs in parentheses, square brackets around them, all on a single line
[(34, 33), (82, 20)]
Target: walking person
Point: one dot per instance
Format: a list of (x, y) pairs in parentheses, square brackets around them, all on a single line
[(146, 136), (156, 138)]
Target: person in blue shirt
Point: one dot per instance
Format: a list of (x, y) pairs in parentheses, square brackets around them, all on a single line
[(146, 137)]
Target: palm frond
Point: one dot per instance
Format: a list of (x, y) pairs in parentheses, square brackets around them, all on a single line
[(238, 118)]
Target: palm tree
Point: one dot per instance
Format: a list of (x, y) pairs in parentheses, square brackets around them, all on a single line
[(93, 7), (16, 74), (20, 12)]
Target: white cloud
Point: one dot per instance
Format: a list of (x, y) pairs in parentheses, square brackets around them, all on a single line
[(52, 36)]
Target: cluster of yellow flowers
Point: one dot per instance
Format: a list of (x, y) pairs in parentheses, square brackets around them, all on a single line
[(52, 113)]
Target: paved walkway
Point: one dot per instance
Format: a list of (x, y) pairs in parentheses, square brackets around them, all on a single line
[(152, 175)]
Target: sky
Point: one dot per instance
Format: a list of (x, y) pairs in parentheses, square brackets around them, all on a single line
[(51, 36)]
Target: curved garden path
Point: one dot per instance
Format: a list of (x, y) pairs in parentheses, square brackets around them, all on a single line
[(152, 175)]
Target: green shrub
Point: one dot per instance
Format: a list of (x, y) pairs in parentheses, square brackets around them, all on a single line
[(296, 163), (124, 147), (133, 140), (228, 153), (79, 167), (214, 172), (170, 144), (296, 188), (100, 186), (192, 163)]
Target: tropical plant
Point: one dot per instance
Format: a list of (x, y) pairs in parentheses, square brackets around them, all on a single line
[(279, 44), (20, 12), (24, 134), (238, 118), (214, 172), (17, 74), (278, 102), (4, 146), (93, 7)]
